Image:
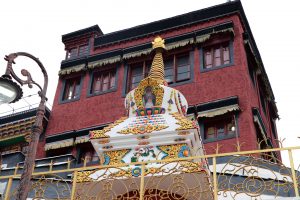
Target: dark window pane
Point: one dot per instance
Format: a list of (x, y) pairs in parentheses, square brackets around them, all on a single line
[(226, 57), (217, 57), (147, 69), (70, 92), (168, 64), (138, 70), (183, 69), (169, 74), (105, 82), (83, 50), (220, 129), (72, 88), (183, 60), (137, 75), (183, 76), (112, 80), (77, 89), (97, 85), (210, 132), (72, 53), (208, 59)]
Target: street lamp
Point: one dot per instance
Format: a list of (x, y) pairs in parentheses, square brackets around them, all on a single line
[(11, 92)]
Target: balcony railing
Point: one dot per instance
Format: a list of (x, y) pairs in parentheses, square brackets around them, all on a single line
[(235, 175)]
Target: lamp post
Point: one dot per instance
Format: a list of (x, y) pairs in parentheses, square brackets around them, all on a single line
[(11, 92)]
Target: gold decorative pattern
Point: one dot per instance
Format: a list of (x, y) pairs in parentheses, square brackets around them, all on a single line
[(157, 68), (141, 129), (173, 151), (101, 133), (157, 90), (115, 157), (184, 122), (127, 172), (83, 176)]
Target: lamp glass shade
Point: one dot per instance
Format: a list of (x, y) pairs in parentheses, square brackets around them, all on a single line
[(9, 91)]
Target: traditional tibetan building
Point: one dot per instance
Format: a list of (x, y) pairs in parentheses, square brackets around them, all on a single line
[(146, 113), (211, 57)]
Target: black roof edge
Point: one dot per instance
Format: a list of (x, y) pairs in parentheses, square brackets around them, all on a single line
[(217, 104), (73, 133), (94, 28), (73, 62), (169, 23), (137, 48), (23, 115), (104, 55)]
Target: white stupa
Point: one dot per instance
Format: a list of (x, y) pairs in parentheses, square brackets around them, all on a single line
[(155, 128)]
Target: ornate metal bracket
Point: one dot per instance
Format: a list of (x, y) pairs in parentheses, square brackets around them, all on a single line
[(9, 73)]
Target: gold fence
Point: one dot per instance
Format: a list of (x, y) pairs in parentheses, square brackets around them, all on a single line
[(235, 175)]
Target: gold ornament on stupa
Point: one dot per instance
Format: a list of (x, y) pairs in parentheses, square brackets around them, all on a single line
[(157, 68)]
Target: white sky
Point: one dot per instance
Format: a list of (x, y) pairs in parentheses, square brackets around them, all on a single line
[(36, 27)]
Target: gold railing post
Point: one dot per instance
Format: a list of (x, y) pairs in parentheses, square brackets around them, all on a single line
[(8, 188), (51, 166), (293, 173), (84, 162), (69, 163), (142, 184), (74, 185), (215, 180)]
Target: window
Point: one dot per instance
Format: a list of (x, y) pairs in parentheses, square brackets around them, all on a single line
[(216, 55), (83, 50), (71, 89), (78, 51), (103, 81), (219, 128), (138, 71), (177, 68)]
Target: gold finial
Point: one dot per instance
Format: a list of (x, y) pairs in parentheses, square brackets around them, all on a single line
[(157, 68), (158, 43)]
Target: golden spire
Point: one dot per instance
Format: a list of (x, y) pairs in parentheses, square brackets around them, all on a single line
[(157, 68)]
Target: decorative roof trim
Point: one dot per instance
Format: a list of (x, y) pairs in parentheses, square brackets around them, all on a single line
[(137, 53), (178, 44), (205, 37), (105, 61), (59, 144), (219, 111), (82, 139), (73, 69)]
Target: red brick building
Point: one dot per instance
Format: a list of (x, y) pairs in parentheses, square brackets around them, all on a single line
[(211, 58)]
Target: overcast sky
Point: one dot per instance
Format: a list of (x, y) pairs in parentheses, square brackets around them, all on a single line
[(36, 27)]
